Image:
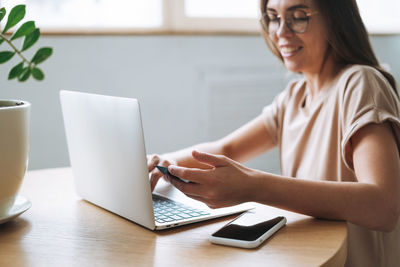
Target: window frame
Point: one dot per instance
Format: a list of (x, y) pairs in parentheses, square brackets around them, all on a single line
[(175, 22)]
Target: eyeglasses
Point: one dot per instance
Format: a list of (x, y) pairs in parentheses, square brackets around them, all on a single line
[(296, 20)]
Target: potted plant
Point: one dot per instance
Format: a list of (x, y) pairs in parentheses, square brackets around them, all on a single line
[(14, 114)]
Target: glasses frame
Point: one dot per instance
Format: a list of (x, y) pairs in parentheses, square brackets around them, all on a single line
[(264, 21)]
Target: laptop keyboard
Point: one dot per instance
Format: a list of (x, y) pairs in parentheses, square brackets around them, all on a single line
[(167, 210)]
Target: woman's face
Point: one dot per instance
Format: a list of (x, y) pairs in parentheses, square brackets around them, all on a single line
[(301, 52)]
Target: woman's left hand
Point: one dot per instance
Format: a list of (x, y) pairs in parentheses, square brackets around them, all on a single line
[(227, 183)]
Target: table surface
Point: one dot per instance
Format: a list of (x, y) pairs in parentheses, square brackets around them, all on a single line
[(63, 230)]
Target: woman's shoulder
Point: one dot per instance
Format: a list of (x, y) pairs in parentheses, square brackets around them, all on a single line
[(362, 78), (360, 83), (293, 90), (356, 73), (295, 86)]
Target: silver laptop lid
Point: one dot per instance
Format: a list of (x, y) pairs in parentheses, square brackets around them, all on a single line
[(107, 152)]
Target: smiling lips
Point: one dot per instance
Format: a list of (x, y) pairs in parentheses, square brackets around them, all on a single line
[(289, 51)]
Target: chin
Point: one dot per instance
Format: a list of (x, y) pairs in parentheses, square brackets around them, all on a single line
[(293, 67)]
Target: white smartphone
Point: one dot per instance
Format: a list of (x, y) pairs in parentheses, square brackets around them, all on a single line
[(248, 230)]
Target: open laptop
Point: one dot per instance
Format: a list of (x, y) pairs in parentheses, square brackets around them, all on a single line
[(108, 159)]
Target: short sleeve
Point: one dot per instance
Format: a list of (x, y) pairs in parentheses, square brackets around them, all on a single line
[(367, 98), (273, 113)]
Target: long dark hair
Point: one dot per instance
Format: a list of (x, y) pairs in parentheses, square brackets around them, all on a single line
[(347, 35)]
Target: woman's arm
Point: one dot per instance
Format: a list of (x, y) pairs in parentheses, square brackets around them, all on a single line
[(248, 141), (373, 201)]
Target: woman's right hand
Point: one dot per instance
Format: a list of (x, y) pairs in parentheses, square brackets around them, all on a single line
[(154, 160)]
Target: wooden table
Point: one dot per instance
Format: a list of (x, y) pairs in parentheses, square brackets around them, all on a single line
[(60, 229)]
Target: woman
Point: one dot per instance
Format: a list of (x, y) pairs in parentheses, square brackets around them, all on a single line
[(337, 128)]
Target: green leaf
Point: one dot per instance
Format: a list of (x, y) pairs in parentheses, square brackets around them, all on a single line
[(1, 40), (31, 39), (26, 72), (6, 56), (37, 74), (16, 71), (2, 13), (41, 55), (25, 29), (16, 15)]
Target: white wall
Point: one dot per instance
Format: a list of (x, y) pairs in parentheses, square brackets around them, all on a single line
[(179, 80)]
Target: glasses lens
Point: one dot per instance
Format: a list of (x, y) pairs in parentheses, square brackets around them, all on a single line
[(298, 21), (272, 22)]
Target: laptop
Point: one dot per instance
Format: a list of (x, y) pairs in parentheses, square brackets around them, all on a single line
[(108, 158)]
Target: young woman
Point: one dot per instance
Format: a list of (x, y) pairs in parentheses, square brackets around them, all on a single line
[(337, 128)]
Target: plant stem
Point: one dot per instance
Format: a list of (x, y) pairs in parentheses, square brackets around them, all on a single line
[(15, 49)]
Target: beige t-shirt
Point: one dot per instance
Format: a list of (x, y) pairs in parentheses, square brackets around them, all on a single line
[(313, 138)]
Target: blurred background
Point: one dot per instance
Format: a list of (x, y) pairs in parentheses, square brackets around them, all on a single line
[(199, 68)]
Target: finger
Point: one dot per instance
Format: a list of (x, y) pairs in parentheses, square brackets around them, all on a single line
[(154, 160), (191, 174), (210, 159), (155, 176)]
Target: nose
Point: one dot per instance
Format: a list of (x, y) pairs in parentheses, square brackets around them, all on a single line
[(283, 29)]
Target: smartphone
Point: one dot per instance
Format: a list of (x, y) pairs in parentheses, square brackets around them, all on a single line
[(165, 171), (248, 230)]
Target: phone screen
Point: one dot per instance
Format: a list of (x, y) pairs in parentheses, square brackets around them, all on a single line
[(247, 227)]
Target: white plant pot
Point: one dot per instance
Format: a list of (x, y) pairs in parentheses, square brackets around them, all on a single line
[(14, 148)]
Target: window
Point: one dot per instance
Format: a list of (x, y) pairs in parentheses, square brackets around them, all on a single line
[(380, 16), (219, 15), (176, 15), (91, 14), (221, 8)]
